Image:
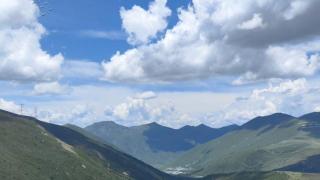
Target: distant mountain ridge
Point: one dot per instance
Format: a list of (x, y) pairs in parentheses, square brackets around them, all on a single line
[(154, 143), (275, 142)]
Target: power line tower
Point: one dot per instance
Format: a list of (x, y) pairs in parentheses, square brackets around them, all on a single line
[(21, 109), (35, 112)]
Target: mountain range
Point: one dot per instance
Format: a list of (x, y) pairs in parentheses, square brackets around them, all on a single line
[(155, 144), (278, 142), (278, 146)]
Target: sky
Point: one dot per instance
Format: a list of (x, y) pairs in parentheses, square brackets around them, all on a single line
[(177, 63)]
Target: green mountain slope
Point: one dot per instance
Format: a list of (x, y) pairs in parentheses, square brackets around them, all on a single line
[(33, 150), (152, 143), (263, 144)]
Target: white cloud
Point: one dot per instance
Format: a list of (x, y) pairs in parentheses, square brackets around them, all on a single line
[(9, 106), (21, 56), (136, 111), (196, 103), (317, 109), (286, 62), (111, 35), (253, 23), (296, 8), (50, 88), (173, 109), (85, 106), (207, 43), (146, 95), (143, 25), (81, 115), (295, 97), (82, 106)]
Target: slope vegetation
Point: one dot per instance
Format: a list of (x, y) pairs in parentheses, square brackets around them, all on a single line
[(31, 149), (153, 143), (275, 142)]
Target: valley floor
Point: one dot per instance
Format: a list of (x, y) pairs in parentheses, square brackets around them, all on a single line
[(276, 175)]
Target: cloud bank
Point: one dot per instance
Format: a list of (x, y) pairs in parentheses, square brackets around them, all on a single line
[(294, 97), (137, 110), (250, 41)]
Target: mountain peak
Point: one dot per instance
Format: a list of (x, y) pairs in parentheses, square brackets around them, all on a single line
[(109, 124), (273, 119), (278, 115), (154, 124), (203, 126), (314, 116)]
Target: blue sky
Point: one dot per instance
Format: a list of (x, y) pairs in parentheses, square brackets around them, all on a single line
[(216, 62), (65, 20)]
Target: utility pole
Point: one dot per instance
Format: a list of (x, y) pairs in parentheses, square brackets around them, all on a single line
[(35, 112), (21, 109)]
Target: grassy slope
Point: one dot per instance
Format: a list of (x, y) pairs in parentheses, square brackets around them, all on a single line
[(29, 152), (31, 149), (264, 149)]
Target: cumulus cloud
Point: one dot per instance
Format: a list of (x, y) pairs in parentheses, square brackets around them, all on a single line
[(85, 106), (294, 97), (81, 115), (137, 111), (208, 43), (134, 110), (50, 88), (9, 106), (21, 56), (143, 25)]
